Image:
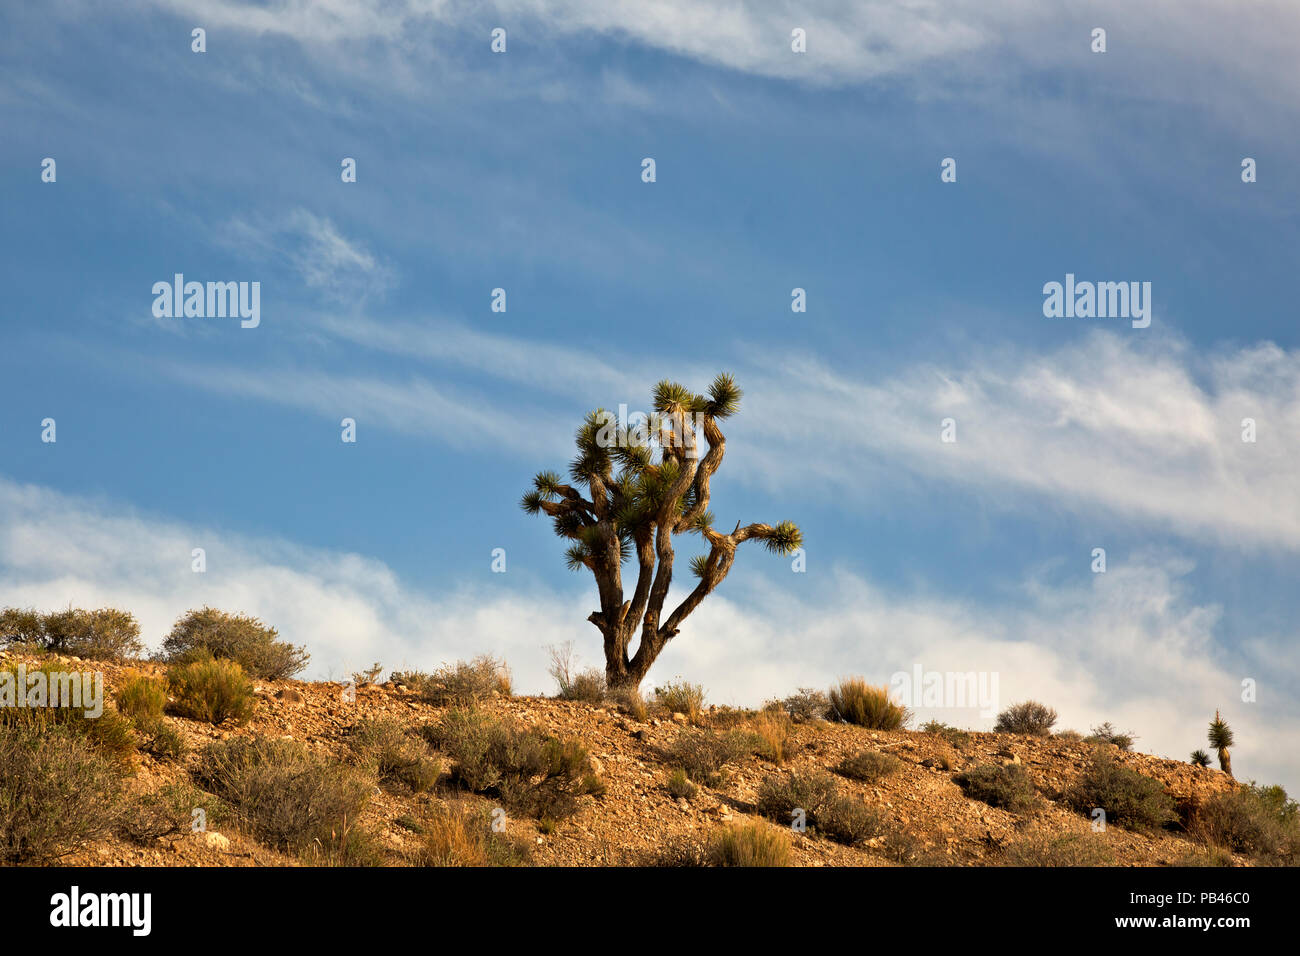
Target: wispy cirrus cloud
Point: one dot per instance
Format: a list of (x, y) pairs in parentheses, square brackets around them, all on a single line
[(1116, 424), (328, 263), (944, 48)]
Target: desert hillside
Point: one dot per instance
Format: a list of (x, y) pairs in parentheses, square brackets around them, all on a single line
[(615, 784)]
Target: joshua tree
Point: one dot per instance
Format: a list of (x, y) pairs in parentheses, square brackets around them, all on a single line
[(1200, 758), (634, 506), (1221, 739)]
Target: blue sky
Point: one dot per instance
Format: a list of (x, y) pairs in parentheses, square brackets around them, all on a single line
[(774, 170)]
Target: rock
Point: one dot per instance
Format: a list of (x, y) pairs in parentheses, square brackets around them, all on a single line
[(214, 840), (678, 717)]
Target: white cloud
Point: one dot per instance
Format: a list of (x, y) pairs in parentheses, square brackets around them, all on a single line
[(1140, 428), (1129, 646), (414, 406), (1117, 424), (329, 263), (945, 46)]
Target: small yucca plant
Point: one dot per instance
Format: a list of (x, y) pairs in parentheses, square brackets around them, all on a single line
[(1221, 739), (1200, 758)]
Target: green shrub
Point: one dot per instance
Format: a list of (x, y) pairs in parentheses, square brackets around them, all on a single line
[(680, 786), (854, 701), (1008, 787), (779, 797), (805, 704), (1257, 821), (103, 634), (110, 733), (395, 757), (164, 812), (749, 844), (57, 793), (465, 683), (532, 772), (288, 797), (213, 690), (956, 738), (1030, 717), (1130, 799), (869, 766), (235, 637), (22, 626), (703, 754), (680, 697), (162, 740), (848, 820), (369, 675), (1107, 734), (142, 698)]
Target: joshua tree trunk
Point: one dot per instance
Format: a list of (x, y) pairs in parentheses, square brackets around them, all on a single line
[(637, 511)]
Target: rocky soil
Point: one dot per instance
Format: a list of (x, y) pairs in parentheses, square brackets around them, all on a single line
[(636, 817)]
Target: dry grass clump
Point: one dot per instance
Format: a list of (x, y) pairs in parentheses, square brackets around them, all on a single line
[(680, 697), (574, 684), (630, 701), (748, 844), (1051, 848), (772, 731), (110, 734), (454, 835), (679, 785), (854, 701), (463, 683)]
